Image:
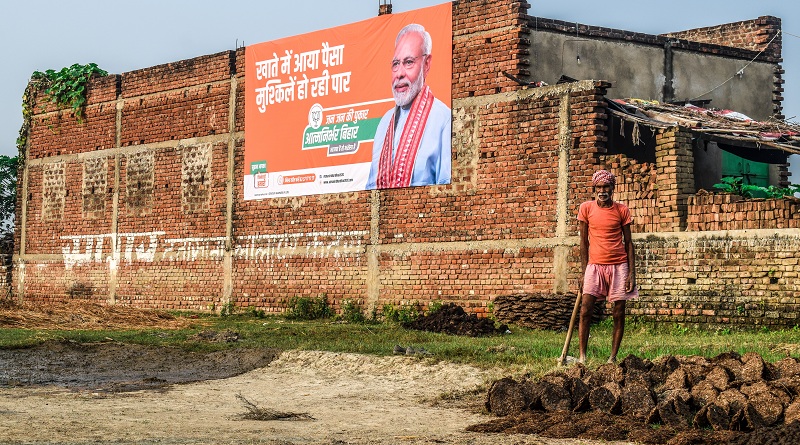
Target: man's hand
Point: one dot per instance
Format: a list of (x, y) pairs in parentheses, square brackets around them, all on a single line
[(630, 283)]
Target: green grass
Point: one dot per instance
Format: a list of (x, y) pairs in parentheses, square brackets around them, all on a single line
[(523, 351)]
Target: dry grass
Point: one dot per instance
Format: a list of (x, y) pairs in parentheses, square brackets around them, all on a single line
[(255, 412), (85, 316)]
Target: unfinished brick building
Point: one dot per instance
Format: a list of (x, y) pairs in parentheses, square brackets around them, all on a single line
[(142, 203)]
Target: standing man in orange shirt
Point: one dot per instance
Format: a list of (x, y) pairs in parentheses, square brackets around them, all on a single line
[(608, 260)]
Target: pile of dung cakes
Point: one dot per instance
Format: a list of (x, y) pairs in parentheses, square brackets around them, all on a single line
[(656, 401)]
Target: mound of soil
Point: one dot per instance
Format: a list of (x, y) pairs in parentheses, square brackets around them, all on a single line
[(452, 319), (120, 367), (673, 400)]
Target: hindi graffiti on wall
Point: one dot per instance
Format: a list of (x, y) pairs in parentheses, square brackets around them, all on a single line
[(361, 106)]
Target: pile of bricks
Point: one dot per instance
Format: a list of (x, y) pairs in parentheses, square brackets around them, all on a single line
[(734, 212)]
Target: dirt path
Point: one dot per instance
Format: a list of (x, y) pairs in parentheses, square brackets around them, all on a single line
[(353, 399)]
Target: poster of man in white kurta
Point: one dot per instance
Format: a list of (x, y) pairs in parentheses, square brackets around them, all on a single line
[(412, 142), (360, 106)]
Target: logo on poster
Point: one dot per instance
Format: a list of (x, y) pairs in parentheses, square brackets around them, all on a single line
[(315, 116), (261, 180)]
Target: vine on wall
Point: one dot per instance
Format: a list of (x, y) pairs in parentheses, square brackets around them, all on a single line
[(65, 88)]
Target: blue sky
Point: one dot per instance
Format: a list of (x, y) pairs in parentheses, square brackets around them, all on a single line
[(125, 36)]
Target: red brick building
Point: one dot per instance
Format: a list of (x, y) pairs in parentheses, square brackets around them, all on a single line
[(142, 204)]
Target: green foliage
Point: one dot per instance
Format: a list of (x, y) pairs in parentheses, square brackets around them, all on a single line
[(352, 312), (227, 309), (679, 329), (255, 312), (66, 88), (435, 306), (780, 192), (308, 308), (406, 313), (736, 186), (8, 191)]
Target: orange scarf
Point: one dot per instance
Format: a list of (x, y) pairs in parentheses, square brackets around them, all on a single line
[(398, 173)]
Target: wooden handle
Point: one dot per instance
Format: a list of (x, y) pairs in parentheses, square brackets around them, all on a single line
[(563, 359)]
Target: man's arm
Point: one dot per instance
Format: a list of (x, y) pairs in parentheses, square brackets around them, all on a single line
[(630, 283), (583, 229)]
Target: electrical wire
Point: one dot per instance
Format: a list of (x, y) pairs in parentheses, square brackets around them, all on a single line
[(741, 70)]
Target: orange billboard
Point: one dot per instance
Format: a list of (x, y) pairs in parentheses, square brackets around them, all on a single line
[(360, 106)]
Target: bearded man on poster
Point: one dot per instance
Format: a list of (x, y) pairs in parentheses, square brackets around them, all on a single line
[(412, 141)]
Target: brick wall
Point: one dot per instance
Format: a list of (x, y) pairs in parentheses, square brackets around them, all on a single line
[(733, 212), (488, 38), (761, 34), (142, 204), (720, 278)]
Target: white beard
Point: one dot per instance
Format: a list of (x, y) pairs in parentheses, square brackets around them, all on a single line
[(405, 99)]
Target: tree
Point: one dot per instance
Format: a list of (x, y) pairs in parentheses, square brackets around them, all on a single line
[(8, 192)]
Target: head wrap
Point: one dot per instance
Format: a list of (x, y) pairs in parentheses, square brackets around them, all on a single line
[(601, 177)]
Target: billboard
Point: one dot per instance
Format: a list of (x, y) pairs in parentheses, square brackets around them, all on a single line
[(349, 108)]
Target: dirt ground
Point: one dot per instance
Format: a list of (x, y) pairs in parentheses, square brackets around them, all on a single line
[(62, 392), (113, 393)]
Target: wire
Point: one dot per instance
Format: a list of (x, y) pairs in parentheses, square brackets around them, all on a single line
[(741, 70)]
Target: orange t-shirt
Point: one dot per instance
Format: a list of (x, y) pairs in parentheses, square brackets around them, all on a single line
[(606, 244)]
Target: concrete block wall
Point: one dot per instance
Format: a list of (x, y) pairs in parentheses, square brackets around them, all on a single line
[(664, 67), (142, 204), (761, 35)]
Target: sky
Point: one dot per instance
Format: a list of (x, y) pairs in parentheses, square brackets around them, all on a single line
[(126, 36)]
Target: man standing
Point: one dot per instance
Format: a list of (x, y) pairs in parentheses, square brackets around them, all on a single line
[(608, 260), (412, 141)]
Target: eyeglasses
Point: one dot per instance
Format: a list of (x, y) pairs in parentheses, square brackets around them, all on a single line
[(407, 63)]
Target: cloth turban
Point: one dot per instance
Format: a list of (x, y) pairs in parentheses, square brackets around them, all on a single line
[(601, 177)]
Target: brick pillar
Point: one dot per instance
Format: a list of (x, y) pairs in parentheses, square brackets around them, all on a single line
[(489, 37), (770, 39), (675, 166)]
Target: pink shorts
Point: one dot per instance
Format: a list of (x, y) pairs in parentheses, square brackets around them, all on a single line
[(607, 281)]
